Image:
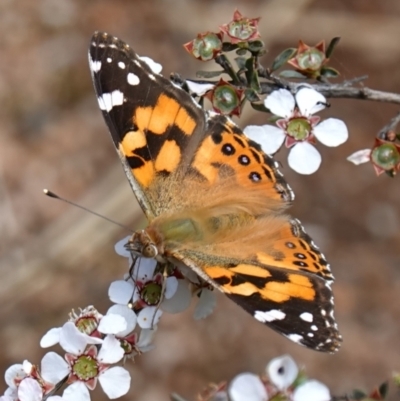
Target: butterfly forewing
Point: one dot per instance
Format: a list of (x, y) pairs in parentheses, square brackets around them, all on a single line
[(153, 132), (214, 197)]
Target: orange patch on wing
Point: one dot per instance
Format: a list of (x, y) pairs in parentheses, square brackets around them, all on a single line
[(298, 287), (144, 174), (185, 122), (202, 160), (142, 118), (251, 270), (168, 157), (132, 140)]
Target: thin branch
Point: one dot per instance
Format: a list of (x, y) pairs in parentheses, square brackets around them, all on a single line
[(343, 90)]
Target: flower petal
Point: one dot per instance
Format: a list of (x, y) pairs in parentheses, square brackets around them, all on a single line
[(115, 382), (331, 132), (14, 374), (30, 390), (145, 338), (181, 299), (53, 368), (112, 324), (282, 371), (171, 286), (111, 350), (359, 157), (149, 317), (120, 248), (199, 89), (281, 103), (205, 305), (128, 314), (312, 390), (247, 387), (304, 158), (51, 338), (76, 392), (144, 269), (309, 101), (269, 137), (120, 292)]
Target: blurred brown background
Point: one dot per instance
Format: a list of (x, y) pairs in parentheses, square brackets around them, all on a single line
[(52, 135)]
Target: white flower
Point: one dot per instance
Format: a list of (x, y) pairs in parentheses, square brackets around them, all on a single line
[(88, 320), (91, 366), (298, 128), (311, 390), (247, 387), (206, 304), (282, 371), (359, 157)]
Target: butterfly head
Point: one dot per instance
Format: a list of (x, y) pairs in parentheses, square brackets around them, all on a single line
[(146, 243)]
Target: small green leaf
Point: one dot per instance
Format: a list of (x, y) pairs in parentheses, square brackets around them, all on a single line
[(241, 62), (256, 46), (251, 74), (251, 95), (329, 72), (331, 47), (358, 395), (228, 47), (259, 106), (282, 58), (292, 74), (209, 74)]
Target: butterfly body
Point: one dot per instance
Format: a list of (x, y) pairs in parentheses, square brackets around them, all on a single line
[(214, 201)]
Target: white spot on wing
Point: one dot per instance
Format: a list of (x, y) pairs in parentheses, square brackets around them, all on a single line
[(95, 66), (307, 317), (132, 79), (108, 100), (121, 64), (155, 67), (314, 327), (109, 59), (269, 316), (295, 337)]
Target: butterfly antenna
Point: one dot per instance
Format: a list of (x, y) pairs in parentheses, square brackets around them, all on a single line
[(55, 196)]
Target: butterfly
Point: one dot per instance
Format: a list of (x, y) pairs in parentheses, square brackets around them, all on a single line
[(215, 202)]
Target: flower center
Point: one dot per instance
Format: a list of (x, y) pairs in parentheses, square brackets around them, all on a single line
[(151, 293), (87, 324), (299, 128), (311, 59), (225, 99), (241, 29), (85, 368), (386, 156), (206, 46)]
